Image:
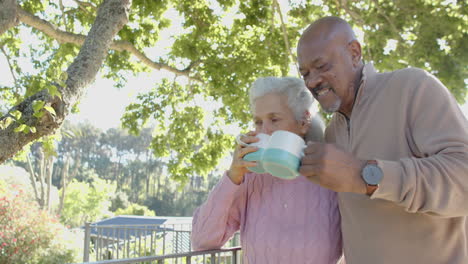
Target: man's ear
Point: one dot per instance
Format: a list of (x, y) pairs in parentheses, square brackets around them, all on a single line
[(354, 49)]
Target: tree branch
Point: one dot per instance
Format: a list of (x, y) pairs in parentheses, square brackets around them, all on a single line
[(8, 15), (11, 69), (111, 17), (355, 16), (83, 5), (392, 25), (285, 34), (119, 45)]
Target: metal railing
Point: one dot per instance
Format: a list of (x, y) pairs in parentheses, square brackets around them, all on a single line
[(219, 256), (115, 242)]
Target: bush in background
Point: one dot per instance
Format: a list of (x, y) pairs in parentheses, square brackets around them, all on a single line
[(30, 235), (135, 209), (86, 202)]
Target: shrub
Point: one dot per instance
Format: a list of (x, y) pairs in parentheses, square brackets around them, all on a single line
[(135, 209), (86, 202), (27, 234)]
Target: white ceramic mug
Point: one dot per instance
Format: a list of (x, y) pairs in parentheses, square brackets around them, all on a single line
[(282, 156), (257, 155)]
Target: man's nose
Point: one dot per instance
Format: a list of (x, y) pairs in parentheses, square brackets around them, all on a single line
[(312, 81)]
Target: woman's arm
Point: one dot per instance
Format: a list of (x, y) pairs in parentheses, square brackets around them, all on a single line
[(216, 220)]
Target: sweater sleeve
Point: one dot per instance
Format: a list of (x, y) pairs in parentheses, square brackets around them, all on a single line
[(216, 220), (436, 180)]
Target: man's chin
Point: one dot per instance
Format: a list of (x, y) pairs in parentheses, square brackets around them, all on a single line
[(331, 108)]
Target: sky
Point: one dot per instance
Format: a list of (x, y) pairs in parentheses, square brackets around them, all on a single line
[(103, 105)]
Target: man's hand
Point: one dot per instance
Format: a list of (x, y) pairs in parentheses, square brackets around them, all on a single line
[(332, 168)]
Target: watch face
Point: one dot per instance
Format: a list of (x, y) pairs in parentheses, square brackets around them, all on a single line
[(372, 174)]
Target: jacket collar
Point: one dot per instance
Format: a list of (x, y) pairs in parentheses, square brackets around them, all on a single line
[(367, 83), (369, 75)]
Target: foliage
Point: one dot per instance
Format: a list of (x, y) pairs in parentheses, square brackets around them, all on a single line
[(17, 176), (223, 46), (28, 234), (86, 201), (135, 209), (119, 200), (125, 162)]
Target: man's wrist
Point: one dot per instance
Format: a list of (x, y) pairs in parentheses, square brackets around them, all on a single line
[(372, 175), (370, 189), (361, 188)]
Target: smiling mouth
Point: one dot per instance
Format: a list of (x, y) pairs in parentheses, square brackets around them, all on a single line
[(321, 90)]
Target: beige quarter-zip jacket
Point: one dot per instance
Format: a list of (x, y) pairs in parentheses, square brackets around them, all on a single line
[(409, 122)]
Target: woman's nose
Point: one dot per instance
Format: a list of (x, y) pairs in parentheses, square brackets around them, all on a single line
[(267, 128)]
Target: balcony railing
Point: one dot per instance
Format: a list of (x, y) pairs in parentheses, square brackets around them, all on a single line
[(220, 256), (150, 244)]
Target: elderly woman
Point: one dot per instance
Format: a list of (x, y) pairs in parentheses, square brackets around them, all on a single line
[(280, 221)]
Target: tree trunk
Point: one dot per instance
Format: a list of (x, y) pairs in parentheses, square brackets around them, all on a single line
[(41, 177), (148, 175), (66, 165), (33, 177), (8, 15), (158, 191), (111, 17), (49, 170), (117, 175), (67, 181)]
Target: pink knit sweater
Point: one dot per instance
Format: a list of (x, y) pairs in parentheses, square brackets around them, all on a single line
[(280, 221)]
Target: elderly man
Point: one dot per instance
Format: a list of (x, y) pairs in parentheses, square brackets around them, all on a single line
[(396, 151)]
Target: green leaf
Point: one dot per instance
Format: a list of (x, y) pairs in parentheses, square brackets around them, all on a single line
[(39, 114), (50, 110), (53, 91), (38, 105), (16, 114), (32, 130), (63, 78), (21, 128), (6, 122)]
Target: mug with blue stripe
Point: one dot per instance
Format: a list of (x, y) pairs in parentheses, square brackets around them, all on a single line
[(279, 154), (283, 155), (257, 155)]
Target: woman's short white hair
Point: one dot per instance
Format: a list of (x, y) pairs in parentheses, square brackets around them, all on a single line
[(300, 100)]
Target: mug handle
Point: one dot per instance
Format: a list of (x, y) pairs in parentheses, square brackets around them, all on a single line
[(240, 142), (302, 151)]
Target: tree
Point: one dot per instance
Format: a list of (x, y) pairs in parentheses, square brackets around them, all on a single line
[(48, 100), (222, 47), (86, 202)]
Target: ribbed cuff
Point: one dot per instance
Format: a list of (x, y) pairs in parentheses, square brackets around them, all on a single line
[(391, 184)]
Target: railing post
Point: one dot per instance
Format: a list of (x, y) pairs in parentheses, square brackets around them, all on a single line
[(87, 240), (234, 257), (188, 260)]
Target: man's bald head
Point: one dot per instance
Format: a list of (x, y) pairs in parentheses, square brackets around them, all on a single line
[(329, 29), (329, 58)]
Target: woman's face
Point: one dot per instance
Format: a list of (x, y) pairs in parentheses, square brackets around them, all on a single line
[(273, 113)]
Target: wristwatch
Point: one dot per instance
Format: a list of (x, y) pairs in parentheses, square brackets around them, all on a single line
[(372, 175)]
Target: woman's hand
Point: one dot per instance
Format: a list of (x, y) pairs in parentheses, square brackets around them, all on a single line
[(238, 165)]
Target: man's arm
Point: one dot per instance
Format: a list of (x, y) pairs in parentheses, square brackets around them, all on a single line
[(436, 182)]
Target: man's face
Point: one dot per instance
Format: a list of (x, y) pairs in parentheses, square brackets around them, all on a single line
[(327, 69)]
